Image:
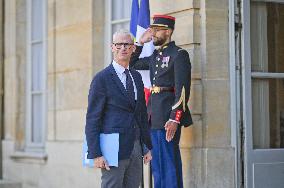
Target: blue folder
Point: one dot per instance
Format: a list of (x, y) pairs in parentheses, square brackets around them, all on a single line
[(109, 144)]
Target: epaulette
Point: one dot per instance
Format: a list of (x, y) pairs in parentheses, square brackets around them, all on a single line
[(181, 100)]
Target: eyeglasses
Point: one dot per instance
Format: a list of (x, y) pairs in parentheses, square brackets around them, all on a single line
[(120, 45)]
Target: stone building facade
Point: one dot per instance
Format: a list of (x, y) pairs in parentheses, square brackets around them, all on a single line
[(46, 71)]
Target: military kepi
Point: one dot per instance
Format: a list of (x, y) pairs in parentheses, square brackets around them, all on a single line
[(163, 21)]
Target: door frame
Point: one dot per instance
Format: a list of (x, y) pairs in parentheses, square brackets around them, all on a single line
[(2, 38), (235, 88)]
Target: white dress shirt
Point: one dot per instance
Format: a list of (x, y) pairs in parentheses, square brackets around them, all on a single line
[(122, 76)]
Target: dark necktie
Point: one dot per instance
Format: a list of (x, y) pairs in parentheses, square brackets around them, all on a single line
[(129, 87)]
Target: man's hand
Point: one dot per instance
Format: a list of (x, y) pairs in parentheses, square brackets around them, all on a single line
[(146, 36), (100, 162), (170, 128), (147, 157)]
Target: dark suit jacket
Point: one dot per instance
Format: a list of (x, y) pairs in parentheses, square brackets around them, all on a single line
[(110, 111)]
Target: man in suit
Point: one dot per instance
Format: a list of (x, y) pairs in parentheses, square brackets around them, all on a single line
[(116, 104), (170, 75)]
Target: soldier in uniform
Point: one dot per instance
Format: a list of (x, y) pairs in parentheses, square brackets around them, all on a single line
[(170, 75)]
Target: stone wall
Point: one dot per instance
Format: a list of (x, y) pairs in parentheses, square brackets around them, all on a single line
[(217, 155), (70, 69)]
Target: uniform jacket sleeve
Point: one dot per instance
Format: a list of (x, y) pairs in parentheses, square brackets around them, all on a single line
[(139, 63), (182, 72), (96, 103)]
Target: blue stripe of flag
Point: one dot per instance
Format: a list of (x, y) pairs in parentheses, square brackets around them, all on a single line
[(144, 14), (134, 17)]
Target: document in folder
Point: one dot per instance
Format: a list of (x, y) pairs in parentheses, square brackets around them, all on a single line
[(110, 146)]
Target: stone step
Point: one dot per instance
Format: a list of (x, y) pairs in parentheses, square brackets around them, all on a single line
[(9, 184)]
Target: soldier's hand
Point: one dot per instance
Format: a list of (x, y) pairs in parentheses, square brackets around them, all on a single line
[(146, 36), (147, 157), (100, 162), (170, 128)]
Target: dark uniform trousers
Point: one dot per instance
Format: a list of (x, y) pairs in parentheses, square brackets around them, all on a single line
[(166, 164)]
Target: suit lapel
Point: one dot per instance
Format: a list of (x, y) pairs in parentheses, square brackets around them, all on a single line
[(117, 81), (120, 85)]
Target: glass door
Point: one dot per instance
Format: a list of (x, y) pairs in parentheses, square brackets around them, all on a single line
[(263, 93)]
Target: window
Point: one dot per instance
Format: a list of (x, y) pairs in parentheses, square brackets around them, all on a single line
[(117, 17), (267, 72), (36, 75)]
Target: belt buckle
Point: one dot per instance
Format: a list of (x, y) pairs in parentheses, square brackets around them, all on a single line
[(156, 89)]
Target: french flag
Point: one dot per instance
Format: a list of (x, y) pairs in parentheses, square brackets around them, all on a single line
[(140, 21)]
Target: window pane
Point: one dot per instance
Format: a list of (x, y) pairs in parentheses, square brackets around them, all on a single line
[(37, 122), (267, 55), (121, 9), (275, 28), (37, 19), (268, 113), (116, 27), (267, 39), (37, 67)]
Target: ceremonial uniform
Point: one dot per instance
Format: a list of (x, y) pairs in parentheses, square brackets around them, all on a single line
[(170, 75)]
